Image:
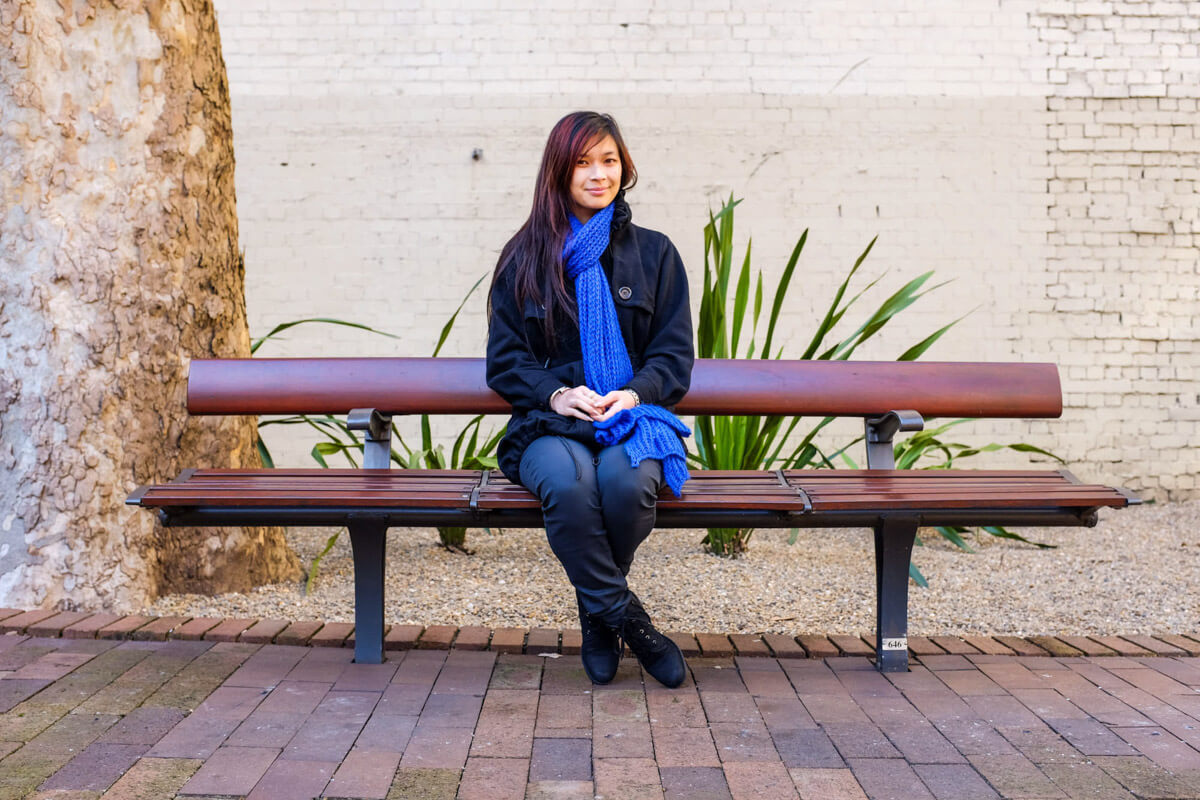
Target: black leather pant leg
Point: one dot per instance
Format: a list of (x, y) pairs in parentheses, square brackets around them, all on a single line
[(627, 499), (562, 473)]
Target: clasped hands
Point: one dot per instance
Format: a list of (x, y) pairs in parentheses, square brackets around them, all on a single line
[(582, 403)]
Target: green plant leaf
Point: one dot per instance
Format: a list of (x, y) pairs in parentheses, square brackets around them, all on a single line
[(739, 302), (918, 349), (263, 453), (316, 564), (785, 281), (450, 322), (953, 534), (1004, 533), (283, 326)]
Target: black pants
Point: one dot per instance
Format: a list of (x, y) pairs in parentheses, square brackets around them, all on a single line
[(598, 509)]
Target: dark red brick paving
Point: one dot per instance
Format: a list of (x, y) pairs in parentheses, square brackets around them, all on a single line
[(1189, 646), (437, 637), (296, 633), (472, 637), (87, 628), (686, 642), (228, 630), (402, 637), (1087, 646), (783, 646), (194, 629), (17, 623), (748, 645), (1122, 646), (54, 626), (332, 634), (263, 632), (714, 645), (1021, 647), (955, 646), (158, 630), (508, 640), (817, 646), (299, 721), (1155, 646), (851, 645), (124, 627), (572, 640), (542, 640)]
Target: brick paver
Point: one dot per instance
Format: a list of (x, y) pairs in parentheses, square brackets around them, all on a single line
[(200, 718)]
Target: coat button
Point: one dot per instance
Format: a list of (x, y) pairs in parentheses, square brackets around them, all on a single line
[(625, 293)]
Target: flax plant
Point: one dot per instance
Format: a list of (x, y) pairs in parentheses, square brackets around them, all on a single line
[(759, 442)]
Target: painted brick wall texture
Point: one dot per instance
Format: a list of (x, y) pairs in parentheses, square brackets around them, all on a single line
[(1041, 157)]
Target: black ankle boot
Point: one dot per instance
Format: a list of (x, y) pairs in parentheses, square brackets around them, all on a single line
[(657, 654), (600, 648)]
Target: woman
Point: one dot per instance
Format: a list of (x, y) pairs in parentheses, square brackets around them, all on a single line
[(590, 340)]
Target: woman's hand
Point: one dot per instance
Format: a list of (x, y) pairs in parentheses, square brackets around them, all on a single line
[(580, 402), (613, 402)]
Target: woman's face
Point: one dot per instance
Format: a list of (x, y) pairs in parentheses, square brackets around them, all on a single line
[(596, 179)]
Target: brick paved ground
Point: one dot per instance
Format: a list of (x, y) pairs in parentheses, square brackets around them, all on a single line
[(85, 718)]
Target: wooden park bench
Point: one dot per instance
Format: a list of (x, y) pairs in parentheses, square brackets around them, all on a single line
[(889, 396)]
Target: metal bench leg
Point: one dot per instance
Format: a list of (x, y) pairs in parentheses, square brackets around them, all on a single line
[(367, 540), (893, 551)]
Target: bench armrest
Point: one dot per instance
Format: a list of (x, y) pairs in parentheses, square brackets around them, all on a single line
[(881, 431), (377, 446)]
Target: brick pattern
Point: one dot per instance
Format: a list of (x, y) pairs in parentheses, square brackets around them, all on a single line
[(1123, 174), (84, 625), (177, 717)]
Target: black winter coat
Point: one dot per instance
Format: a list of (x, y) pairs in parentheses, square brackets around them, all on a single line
[(650, 291)]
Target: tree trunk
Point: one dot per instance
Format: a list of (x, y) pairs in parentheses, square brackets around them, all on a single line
[(118, 244)]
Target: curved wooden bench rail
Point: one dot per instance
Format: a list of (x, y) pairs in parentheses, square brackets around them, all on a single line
[(719, 386)]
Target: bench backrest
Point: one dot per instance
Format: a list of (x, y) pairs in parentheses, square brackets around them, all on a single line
[(719, 386)]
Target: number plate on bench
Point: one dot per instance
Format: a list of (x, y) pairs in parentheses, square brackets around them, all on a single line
[(895, 644)]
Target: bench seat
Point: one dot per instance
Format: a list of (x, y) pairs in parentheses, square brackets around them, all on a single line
[(712, 498), (890, 397)]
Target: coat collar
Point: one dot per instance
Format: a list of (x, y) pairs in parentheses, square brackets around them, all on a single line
[(627, 270)]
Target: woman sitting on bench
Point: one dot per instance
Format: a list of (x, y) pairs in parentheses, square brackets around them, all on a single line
[(590, 340)]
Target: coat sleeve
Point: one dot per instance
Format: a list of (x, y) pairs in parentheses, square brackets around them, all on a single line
[(667, 359), (512, 370)]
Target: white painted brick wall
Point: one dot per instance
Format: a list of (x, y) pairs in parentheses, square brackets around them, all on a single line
[(1042, 155)]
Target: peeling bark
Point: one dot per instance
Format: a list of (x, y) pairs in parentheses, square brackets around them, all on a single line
[(118, 241)]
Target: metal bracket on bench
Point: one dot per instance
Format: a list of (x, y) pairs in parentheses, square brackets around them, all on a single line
[(803, 495), (377, 447), (483, 482), (881, 430)]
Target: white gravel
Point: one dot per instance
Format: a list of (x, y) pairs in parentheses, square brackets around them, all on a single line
[(1135, 572)]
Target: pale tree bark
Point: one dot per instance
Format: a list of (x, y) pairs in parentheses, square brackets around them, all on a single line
[(118, 244)]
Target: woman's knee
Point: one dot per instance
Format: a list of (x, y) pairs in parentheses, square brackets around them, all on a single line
[(624, 485), (560, 472)]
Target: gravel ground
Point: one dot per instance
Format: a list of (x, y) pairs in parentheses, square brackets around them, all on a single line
[(1135, 572)]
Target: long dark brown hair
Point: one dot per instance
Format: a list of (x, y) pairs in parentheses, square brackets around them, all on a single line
[(534, 253)]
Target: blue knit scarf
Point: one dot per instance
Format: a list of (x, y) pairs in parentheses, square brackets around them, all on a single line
[(652, 431)]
